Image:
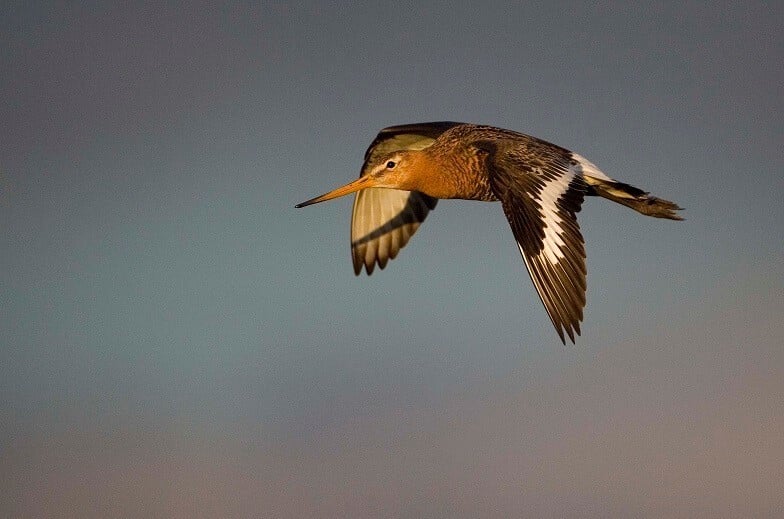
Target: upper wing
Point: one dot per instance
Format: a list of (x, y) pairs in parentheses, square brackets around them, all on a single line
[(383, 220), (541, 192)]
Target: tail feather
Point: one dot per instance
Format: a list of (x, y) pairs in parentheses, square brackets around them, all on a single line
[(630, 196)]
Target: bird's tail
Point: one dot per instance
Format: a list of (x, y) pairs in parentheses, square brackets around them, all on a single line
[(630, 196), (599, 184)]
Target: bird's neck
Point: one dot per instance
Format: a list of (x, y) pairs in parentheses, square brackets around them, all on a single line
[(452, 175)]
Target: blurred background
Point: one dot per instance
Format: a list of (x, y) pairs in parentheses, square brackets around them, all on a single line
[(176, 340)]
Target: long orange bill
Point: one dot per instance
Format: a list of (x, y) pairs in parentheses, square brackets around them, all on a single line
[(351, 187)]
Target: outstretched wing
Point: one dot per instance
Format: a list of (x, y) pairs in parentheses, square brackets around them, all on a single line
[(383, 220), (541, 191)]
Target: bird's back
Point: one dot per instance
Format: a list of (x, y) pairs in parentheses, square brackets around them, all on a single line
[(468, 153)]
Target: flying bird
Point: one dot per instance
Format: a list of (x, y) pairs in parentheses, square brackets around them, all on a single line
[(540, 185)]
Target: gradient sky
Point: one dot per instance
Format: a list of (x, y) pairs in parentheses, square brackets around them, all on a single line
[(177, 340)]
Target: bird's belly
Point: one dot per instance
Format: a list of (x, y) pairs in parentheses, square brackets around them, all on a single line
[(478, 192), (462, 189)]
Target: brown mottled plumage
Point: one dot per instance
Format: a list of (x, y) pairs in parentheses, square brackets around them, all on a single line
[(541, 187)]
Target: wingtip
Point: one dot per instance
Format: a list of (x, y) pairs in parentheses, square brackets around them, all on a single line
[(572, 332), (560, 333)]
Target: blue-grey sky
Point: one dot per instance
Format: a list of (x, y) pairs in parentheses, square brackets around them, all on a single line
[(177, 340)]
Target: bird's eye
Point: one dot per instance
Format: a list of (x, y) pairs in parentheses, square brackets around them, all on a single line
[(391, 164)]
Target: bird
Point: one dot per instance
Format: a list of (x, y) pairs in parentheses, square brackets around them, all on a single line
[(541, 187)]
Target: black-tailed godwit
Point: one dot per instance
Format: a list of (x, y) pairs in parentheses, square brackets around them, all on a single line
[(540, 186)]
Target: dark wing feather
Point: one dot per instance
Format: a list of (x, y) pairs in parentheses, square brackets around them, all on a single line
[(383, 220), (541, 194)]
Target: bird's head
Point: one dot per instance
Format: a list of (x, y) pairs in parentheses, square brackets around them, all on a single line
[(396, 170)]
